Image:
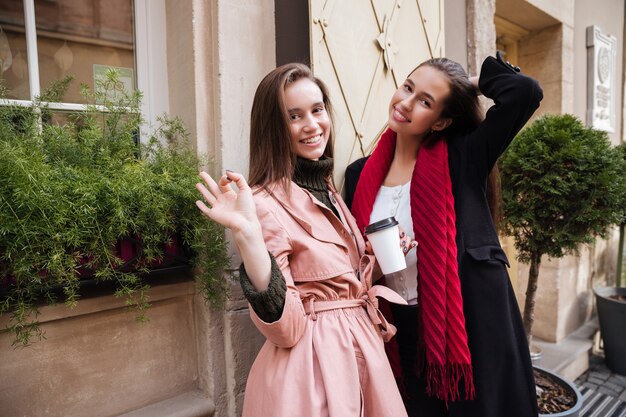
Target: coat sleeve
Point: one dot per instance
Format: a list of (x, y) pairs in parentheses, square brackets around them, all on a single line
[(516, 97), (289, 328), (353, 172), (267, 304)]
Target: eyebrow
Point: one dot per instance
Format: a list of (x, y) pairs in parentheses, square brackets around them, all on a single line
[(428, 96), (295, 109)]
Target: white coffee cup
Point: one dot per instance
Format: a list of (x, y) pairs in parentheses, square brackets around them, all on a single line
[(384, 235)]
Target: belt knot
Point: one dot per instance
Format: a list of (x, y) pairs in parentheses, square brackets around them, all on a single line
[(387, 330)]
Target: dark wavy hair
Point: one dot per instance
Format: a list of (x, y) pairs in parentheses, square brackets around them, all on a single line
[(272, 158)]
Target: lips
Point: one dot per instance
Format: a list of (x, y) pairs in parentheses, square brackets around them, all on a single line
[(399, 116)]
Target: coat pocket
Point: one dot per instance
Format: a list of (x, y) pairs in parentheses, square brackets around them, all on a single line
[(488, 253)]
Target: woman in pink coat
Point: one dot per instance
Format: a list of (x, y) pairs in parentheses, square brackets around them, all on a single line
[(305, 271)]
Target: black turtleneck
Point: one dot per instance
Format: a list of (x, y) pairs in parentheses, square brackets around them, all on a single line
[(313, 176)]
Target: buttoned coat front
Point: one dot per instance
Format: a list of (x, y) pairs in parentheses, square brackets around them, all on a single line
[(328, 363)]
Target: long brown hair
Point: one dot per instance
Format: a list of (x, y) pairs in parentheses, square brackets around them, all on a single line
[(463, 107), (272, 158)]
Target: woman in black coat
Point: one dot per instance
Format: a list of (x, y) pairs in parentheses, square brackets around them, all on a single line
[(460, 349)]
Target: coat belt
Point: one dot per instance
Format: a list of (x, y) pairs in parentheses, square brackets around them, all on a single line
[(368, 300)]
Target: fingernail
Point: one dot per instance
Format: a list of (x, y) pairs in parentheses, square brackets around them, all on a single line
[(402, 234)]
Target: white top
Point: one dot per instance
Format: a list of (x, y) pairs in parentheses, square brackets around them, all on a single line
[(395, 201)]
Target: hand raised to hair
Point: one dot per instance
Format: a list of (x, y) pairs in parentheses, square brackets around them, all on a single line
[(235, 211)]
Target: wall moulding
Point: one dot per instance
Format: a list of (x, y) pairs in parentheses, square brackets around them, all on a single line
[(601, 74)]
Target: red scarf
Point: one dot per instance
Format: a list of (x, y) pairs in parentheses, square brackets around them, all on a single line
[(447, 355)]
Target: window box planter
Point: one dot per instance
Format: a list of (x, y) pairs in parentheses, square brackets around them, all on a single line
[(84, 202)]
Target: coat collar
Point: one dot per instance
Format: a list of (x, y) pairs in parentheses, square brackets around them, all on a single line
[(301, 207)]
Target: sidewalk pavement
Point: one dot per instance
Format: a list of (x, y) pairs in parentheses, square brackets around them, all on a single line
[(604, 392)]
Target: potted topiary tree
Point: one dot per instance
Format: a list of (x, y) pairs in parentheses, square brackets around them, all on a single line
[(562, 186), (81, 199)]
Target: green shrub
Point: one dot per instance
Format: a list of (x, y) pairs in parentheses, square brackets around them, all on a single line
[(563, 184), (69, 192)]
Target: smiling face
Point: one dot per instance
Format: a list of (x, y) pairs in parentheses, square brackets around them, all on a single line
[(416, 106), (309, 123)]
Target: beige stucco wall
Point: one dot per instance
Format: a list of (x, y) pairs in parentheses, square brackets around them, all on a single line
[(481, 33), (180, 62), (246, 52), (545, 55), (97, 360), (561, 10), (455, 24), (233, 56)]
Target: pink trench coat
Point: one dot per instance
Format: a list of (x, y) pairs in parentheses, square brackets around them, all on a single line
[(325, 355)]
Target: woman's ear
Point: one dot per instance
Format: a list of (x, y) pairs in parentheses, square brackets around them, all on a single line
[(441, 124)]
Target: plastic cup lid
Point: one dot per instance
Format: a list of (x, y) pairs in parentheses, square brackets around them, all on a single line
[(380, 225)]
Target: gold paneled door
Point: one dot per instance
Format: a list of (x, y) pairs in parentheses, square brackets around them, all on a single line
[(363, 50)]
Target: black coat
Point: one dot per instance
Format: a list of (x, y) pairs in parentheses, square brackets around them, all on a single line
[(502, 369)]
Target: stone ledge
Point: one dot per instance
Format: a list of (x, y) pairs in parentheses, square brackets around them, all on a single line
[(49, 313), (189, 404), (569, 357)]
